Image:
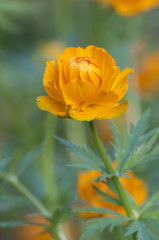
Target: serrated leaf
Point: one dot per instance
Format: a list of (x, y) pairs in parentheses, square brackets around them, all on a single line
[(98, 210), (111, 185), (152, 202), (148, 151), (141, 231), (102, 177), (136, 147), (86, 166), (85, 154), (99, 224), (151, 222), (107, 197)]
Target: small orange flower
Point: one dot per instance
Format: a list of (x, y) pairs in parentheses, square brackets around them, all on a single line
[(68, 229), (34, 232), (147, 77), (131, 7), (86, 84), (134, 186)]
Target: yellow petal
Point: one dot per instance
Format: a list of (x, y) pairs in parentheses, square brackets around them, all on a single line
[(50, 81), (103, 59), (87, 115), (110, 81), (77, 91), (48, 104), (120, 86), (110, 112), (96, 79), (104, 99), (70, 53)]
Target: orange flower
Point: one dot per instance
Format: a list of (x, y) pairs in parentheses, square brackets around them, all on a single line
[(147, 77), (131, 7), (34, 232), (67, 230), (134, 186), (86, 84)]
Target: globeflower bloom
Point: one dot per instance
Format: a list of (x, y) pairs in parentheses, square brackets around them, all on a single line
[(34, 232), (85, 84), (131, 7), (67, 229), (134, 186)]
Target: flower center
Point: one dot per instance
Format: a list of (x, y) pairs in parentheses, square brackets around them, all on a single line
[(85, 69)]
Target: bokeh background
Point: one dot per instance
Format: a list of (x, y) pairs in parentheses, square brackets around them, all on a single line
[(33, 32)]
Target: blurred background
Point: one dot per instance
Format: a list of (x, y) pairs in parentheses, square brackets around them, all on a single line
[(33, 32)]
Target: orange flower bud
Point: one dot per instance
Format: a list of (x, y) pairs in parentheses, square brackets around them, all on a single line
[(134, 186), (86, 84)]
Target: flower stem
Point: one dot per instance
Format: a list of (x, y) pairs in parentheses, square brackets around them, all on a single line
[(111, 170), (14, 181)]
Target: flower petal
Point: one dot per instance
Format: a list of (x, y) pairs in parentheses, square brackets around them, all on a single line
[(104, 99), (76, 91), (50, 81), (70, 53), (120, 86), (110, 112), (103, 59), (87, 115), (55, 107)]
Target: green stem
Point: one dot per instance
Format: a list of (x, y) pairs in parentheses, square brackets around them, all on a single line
[(111, 170), (14, 181)]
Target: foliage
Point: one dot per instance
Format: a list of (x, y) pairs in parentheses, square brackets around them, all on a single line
[(137, 146), (101, 223), (141, 231), (90, 161)]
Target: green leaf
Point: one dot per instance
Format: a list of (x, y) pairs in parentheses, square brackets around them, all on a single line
[(152, 202), (151, 222), (102, 177), (135, 147), (98, 210), (27, 160), (111, 185), (99, 224), (107, 197), (86, 166), (13, 224), (152, 214), (89, 158), (141, 231)]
